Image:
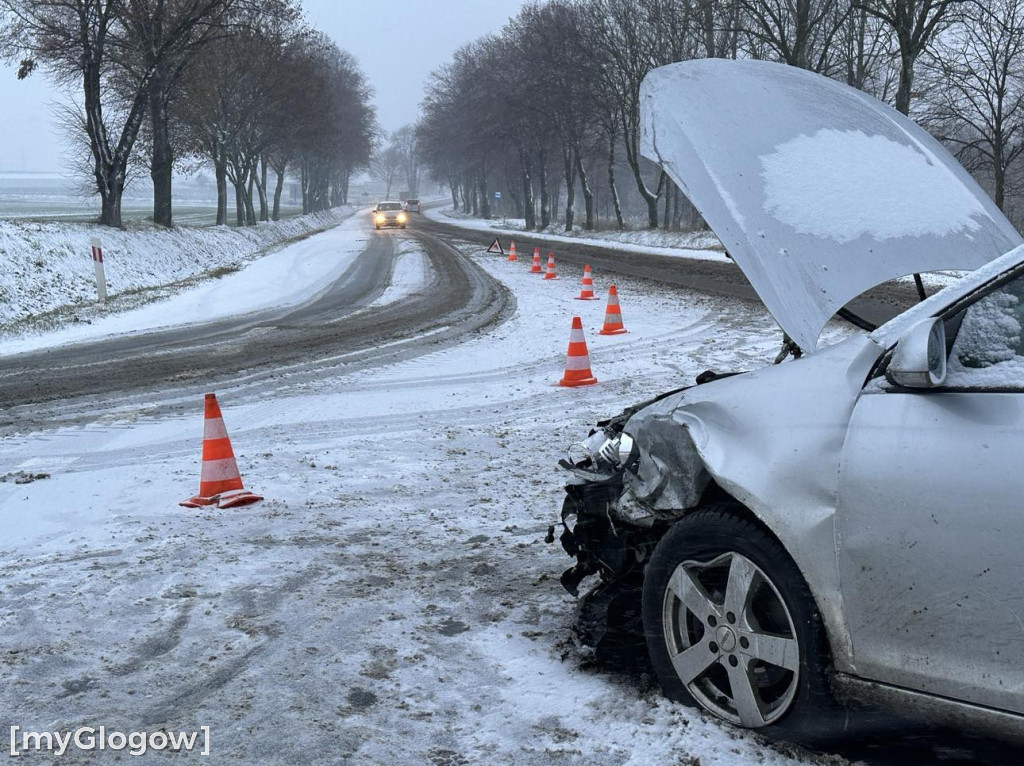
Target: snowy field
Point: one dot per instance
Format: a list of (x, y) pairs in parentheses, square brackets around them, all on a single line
[(44, 196), (392, 599)]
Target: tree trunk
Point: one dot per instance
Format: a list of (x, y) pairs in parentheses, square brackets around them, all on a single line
[(250, 211), (278, 190), (162, 161), (529, 214), (906, 83), (304, 186), (666, 217), (569, 168), (239, 202), (346, 177), (110, 204), (630, 134), (485, 203), (261, 187), (588, 193), (109, 162), (545, 195), (611, 184), (999, 174), (220, 170)]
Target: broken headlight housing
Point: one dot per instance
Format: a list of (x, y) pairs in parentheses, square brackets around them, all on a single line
[(601, 455)]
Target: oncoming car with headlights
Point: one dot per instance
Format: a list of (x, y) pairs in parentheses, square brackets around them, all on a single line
[(389, 214), (846, 525)]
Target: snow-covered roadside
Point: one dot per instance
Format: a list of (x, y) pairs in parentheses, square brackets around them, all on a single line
[(285, 277), (392, 599), (701, 245), (48, 266)]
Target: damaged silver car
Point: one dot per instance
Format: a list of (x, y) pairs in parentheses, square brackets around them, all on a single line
[(846, 525)]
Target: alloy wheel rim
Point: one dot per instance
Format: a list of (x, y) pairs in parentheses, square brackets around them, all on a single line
[(731, 639)]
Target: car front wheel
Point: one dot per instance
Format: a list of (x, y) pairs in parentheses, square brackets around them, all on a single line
[(732, 626)]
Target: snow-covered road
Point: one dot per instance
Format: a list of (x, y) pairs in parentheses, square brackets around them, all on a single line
[(392, 599)]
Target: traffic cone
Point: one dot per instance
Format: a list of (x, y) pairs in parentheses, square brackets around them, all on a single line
[(587, 286), (612, 315), (577, 359), (512, 251), (220, 483), (535, 266), (551, 267)]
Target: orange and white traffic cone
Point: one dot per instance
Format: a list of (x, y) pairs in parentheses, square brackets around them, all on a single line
[(535, 266), (612, 315), (512, 251), (587, 286), (220, 483), (550, 274), (577, 359)]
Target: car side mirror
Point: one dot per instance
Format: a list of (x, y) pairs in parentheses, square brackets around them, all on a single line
[(919, 360)]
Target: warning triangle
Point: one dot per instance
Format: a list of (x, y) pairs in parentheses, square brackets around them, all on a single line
[(496, 247)]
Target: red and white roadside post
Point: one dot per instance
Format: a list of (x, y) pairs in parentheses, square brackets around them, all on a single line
[(97, 262)]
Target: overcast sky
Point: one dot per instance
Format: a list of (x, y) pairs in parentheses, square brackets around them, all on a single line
[(396, 43)]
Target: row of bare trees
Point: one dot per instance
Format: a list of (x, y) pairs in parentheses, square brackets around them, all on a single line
[(242, 84), (549, 108)]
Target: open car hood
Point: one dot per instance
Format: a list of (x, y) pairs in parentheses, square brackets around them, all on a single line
[(817, 190)]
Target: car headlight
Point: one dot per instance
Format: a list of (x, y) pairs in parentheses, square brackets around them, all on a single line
[(613, 452), (401, 217), (381, 218), (626, 446)]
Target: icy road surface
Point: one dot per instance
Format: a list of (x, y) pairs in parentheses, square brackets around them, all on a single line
[(392, 599)]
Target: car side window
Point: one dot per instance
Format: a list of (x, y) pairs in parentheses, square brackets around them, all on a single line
[(988, 350)]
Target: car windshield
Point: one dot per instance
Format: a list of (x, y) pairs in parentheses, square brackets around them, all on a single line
[(389, 206), (989, 347)]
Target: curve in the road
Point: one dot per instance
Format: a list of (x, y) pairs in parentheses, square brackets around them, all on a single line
[(337, 323)]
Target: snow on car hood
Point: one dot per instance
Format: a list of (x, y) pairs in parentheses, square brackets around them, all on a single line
[(817, 190)]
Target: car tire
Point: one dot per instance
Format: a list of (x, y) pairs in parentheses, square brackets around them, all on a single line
[(378, 228), (403, 226), (771, 644)]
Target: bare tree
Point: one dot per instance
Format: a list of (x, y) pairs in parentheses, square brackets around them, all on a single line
[(976, 102), (122, 52), (639, 35), (801, 33), (404, 141), (157, 40), (914, 23), (868, 57), (387, 166), (73, 41)]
